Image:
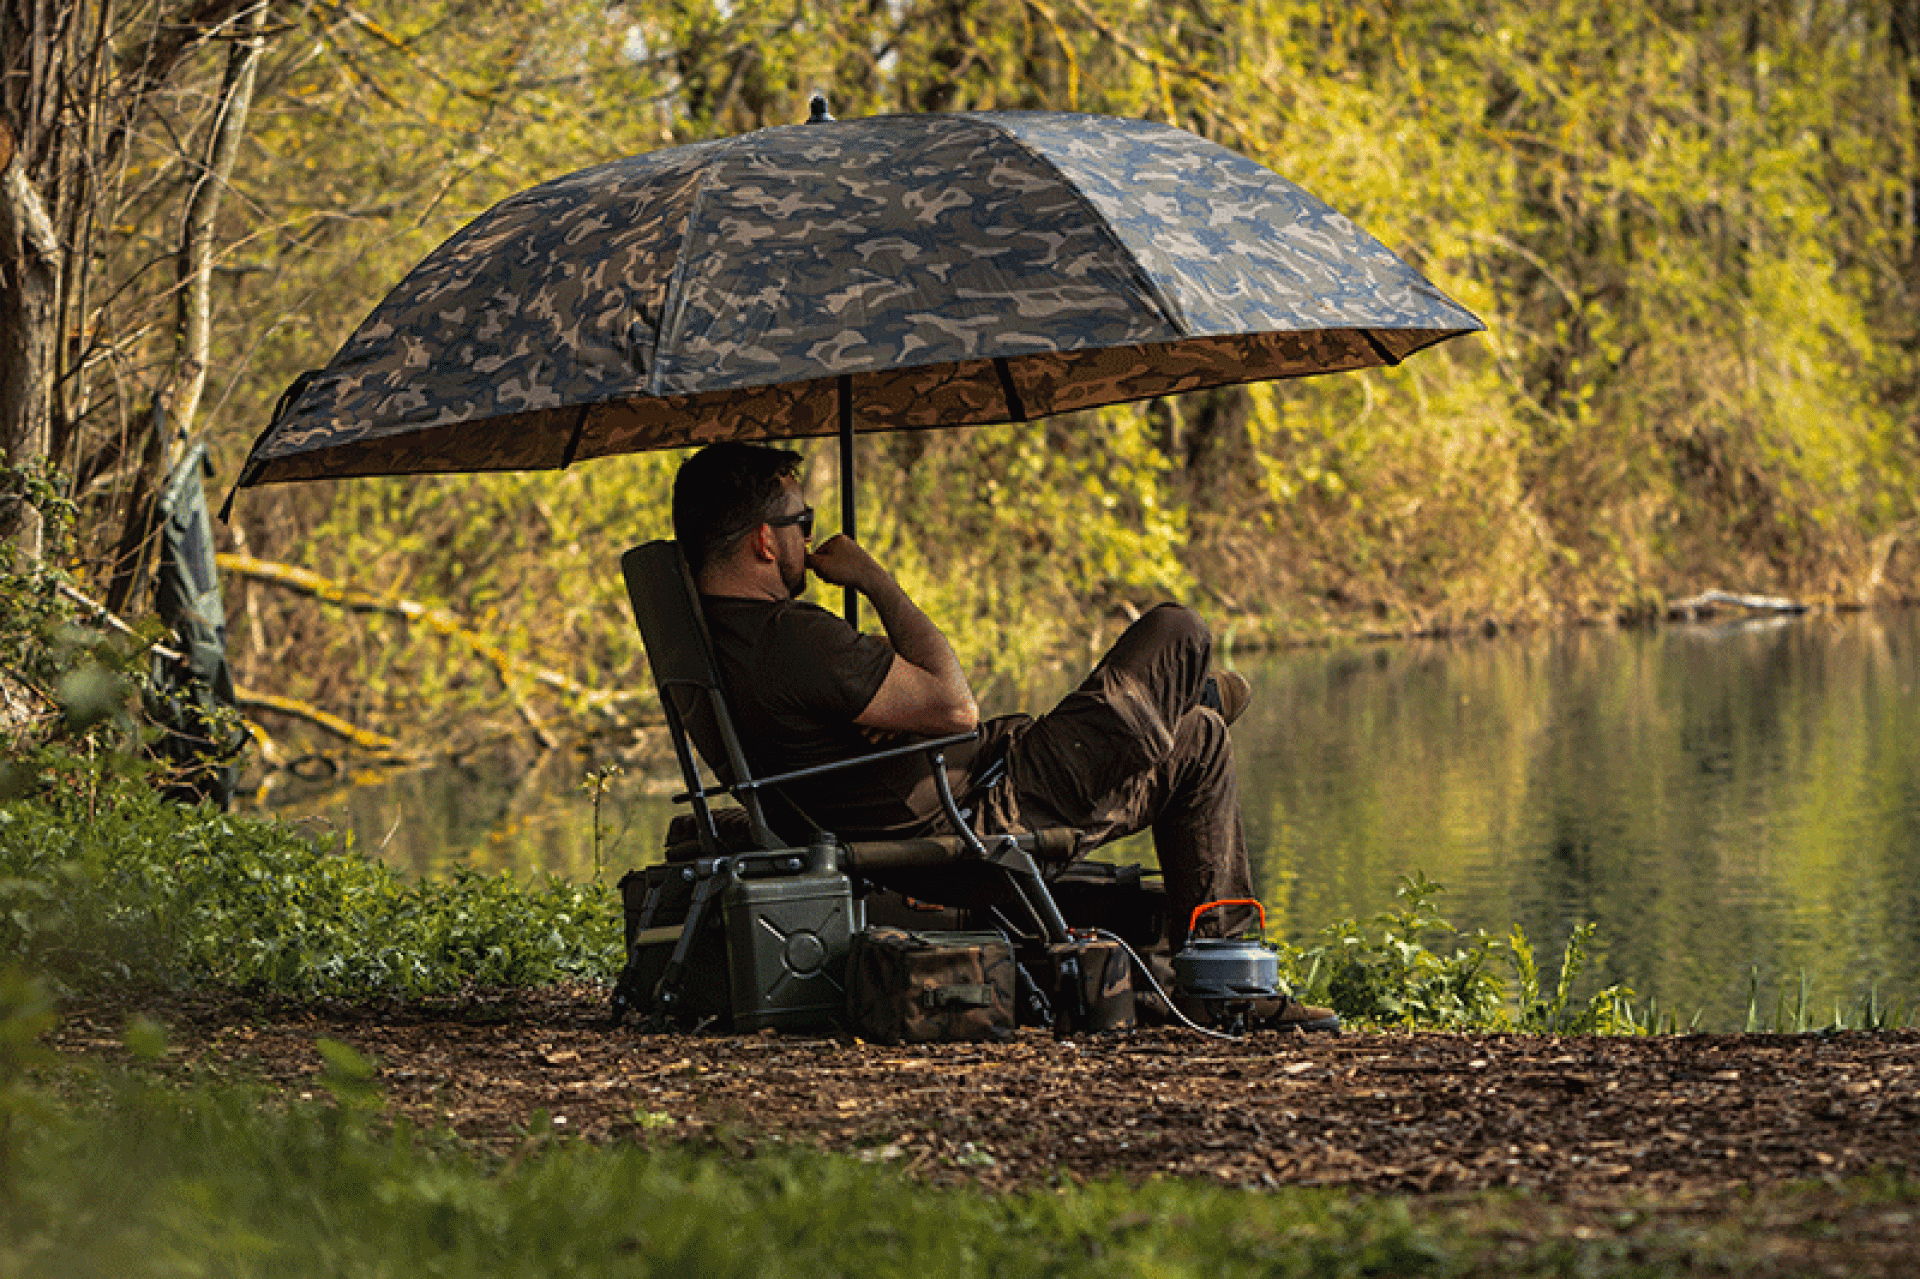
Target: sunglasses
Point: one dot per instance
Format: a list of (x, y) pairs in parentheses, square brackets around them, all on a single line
[(803, 517)]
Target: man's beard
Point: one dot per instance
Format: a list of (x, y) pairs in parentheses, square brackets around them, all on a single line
[(794, 577)]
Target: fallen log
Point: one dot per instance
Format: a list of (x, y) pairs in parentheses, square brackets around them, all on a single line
[(365, 738), (439, 620), (1708, 603)]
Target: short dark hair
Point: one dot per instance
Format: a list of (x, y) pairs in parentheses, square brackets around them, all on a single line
[(724, 492)]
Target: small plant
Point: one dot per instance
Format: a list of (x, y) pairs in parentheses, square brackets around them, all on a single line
[(1386, 971), (1652, 1019), (1607, 1012), (1793, 1010), (596, 783), (1383, 971), (1871, 1014)]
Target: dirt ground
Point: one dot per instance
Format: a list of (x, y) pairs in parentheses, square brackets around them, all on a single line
[(1683, 1118)]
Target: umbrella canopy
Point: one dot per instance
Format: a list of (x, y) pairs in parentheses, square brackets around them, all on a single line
[(894, 272)]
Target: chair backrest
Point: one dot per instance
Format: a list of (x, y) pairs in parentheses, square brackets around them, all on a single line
[(666, 604)]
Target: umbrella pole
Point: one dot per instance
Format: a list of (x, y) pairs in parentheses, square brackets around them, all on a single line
[(852, 606)]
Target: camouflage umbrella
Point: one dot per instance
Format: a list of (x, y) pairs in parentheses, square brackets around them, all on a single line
[(894, 272)]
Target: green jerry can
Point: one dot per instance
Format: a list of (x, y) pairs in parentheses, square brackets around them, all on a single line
[(787, 942)]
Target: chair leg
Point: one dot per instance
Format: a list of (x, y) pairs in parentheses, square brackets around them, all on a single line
[(667, 995), (1008, 855)]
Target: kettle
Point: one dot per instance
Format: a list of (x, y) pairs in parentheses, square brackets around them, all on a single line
[(1226, 968)]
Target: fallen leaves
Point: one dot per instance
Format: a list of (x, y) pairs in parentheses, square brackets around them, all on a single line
[(1570, 1118)]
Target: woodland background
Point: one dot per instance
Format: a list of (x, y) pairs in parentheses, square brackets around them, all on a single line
[(1692, 227)]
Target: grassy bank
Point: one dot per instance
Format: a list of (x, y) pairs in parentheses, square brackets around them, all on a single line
[(145, 892), (136, 890), (109, 1172), (142, 891)]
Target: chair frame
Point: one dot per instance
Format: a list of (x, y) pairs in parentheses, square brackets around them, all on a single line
[(679, 649)]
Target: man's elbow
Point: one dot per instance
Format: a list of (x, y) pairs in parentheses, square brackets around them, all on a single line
[(947, 707), (961, 717)]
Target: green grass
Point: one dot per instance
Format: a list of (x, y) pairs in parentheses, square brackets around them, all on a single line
[(131, 1179), (1408, 968), (137, 890), (1397, 970), (150, 1182)]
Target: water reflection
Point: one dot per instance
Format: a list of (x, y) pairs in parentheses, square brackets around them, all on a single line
[(1719, 800), (503, 809)]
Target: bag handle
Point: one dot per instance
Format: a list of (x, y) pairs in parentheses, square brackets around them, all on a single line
[(962, 995), (1230, 901)]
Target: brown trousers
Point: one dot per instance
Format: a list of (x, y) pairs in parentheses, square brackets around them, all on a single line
[(1132, 748)]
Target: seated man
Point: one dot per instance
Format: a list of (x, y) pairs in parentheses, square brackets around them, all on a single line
[(1142, 742)]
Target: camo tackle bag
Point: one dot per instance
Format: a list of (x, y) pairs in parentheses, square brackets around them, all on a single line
[(1092, 986), (922, 987)]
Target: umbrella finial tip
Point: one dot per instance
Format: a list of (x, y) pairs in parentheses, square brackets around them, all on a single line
[(820, 113)]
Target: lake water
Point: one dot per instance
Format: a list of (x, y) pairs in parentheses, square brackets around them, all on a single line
[(1729, 804)]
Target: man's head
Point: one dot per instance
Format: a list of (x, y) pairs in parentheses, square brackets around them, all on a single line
[(726, 492)]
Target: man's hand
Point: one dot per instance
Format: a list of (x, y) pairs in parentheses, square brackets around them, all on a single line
[(841, 561), (924, 691)]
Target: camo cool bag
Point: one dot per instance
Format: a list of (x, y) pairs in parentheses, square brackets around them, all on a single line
[(921, 988)]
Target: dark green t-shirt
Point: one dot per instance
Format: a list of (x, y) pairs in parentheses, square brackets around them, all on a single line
[(796, 676)]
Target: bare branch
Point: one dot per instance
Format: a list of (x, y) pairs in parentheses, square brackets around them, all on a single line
[(438, 620), (196, 243)]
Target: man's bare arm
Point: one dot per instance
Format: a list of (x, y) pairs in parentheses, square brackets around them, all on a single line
[(925, 690)]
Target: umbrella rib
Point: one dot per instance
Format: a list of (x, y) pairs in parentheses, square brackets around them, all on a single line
[(573, 440), (1380, 349), (671, 306), (1170, 313), (1016, 407)]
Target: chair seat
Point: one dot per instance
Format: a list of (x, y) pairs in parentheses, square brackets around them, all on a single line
[(732, 824)]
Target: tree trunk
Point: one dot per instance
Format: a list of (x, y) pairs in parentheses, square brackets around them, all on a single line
[(1904, 32), (29, 291), (177, 402), (196, 240)]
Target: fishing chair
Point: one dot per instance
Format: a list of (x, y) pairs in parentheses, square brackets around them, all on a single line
[(767, 830)]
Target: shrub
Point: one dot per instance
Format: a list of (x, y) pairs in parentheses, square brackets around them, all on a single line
[(144, 891), (1386, 971)]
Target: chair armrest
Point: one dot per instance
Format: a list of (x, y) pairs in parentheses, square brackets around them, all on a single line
[(799, 774)]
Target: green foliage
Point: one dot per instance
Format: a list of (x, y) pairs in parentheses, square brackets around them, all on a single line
[(1688, 227), (26, 1013), (150, 892), (1391, 971), (103, 882), (30, 603), (1013, 538), (1386, 972), (1685, 227), (71, 687), (1606, 1012)]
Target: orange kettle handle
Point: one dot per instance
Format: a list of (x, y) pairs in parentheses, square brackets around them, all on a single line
[(1230, 901)]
